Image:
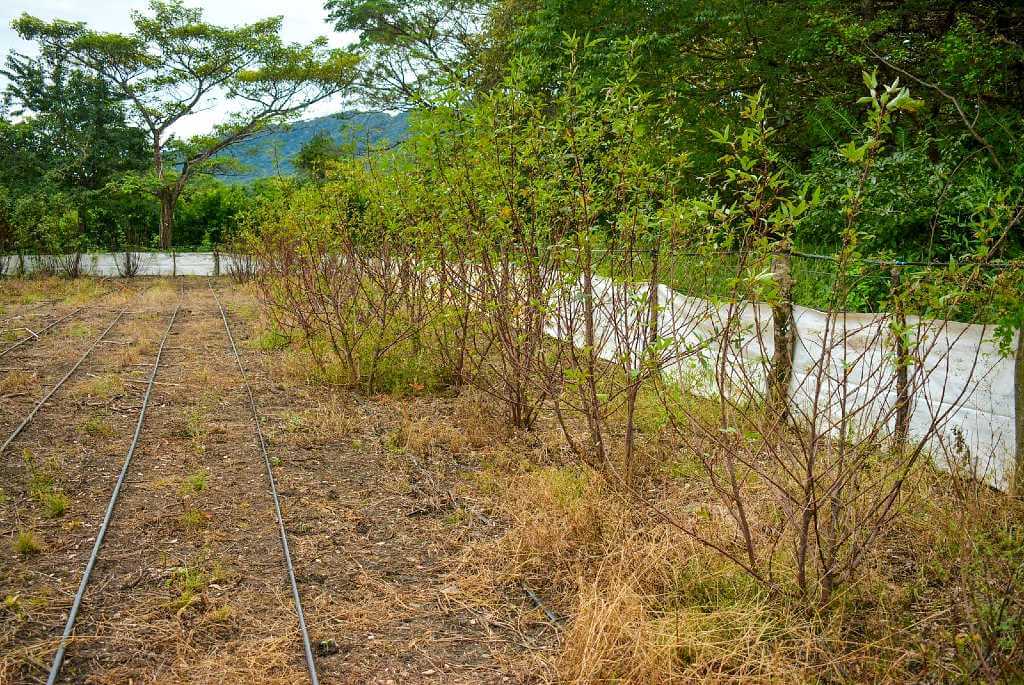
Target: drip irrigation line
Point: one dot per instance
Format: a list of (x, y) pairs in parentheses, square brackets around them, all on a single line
[(36, 336), (31, 415), (552, 616), (58, 658), (306, 646)]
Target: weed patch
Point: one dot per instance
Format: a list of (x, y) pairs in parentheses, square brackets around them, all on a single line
[(97, 427), (26, 543), (195, 482), (193, 520), (102, 387), (55, 504)]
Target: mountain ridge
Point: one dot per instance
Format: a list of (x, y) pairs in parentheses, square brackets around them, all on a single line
[(271, 153)]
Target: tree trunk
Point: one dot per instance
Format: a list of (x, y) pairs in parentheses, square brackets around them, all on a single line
[(902, 428), (166, 195), (167, 202)]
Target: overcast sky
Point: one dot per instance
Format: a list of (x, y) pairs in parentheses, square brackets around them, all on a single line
[(303, 21)]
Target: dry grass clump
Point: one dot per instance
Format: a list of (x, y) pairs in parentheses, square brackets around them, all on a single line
[(141, 333), (331, 421), (105, 386), (295, 366), (943, 598), (426, 437), (622, 633), (79, 329), (478, 420), (81, 291), (74, 292), (17, 382), (119, 297), (26, 543), (160, 293), (31, 290), (643, 604), (561, 519)]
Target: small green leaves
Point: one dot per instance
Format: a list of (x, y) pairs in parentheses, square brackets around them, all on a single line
[(854, 153), (870, 80)]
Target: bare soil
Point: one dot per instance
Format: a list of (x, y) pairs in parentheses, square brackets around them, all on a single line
[(191, 583)]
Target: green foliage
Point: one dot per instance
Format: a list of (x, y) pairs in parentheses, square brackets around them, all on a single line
[(274, 152), (173, 50), (70, 141), (414, 52), (195, 482), (26, 544), (55, 504), (315, 156)]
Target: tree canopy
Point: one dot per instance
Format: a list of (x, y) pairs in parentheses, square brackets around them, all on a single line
[(174, 63)]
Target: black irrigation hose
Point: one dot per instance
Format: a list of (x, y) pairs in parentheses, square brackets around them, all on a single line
[(36, 336), (310, 663), (58, 658), (48, 395), (552, 616)]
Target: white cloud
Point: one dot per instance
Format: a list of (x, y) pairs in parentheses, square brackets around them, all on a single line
[(304, 20)]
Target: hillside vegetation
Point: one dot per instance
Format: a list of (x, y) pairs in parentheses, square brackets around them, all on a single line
[(272, 153)]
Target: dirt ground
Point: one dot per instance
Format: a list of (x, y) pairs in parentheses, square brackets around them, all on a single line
[(191, 583)]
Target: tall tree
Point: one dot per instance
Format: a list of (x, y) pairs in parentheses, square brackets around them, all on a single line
[(175, 63), (416, 51), (80, 118), (70, 141)]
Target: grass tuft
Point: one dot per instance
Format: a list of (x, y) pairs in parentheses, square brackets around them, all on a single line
[(102, 387), (55, 504), (26, 544), (195, 482), (193, 520), (97, 427)]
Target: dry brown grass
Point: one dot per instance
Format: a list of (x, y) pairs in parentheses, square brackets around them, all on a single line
[(104, 386), (426, 437), (645, 603), (17, 382), (141, 334), (644, 606), (331, 421), (154, 296)]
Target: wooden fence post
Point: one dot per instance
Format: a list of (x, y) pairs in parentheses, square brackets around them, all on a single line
[(216, 262), (1018, 402), (899, 327), (784, 329)]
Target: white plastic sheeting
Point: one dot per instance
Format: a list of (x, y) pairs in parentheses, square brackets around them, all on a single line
[(962, 394), (841, 364), (150, 263)]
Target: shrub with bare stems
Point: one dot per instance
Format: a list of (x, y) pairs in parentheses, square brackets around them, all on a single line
[(356, 300), (241, 262), (128, 263), (67, 264), (810, 491)]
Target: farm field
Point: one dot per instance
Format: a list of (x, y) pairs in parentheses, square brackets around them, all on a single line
[(536, 343), (430, 542), (191, 584)]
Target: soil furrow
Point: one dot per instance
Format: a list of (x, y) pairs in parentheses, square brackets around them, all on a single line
[(180, 592), (375, 553), (56, 480)]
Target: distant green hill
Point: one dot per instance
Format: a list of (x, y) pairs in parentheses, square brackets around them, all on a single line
[(271, 153)]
